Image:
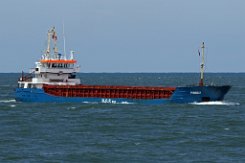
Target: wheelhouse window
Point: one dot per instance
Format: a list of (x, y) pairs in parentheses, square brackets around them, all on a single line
[(34, 86), (21, 85)]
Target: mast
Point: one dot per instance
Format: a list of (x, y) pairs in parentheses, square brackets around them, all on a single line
[(54, 37), (47, 55), (201, 83)]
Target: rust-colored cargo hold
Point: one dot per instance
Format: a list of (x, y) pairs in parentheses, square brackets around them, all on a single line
[(132, 92)]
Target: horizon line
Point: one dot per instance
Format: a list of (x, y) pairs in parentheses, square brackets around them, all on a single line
[(133, 72)]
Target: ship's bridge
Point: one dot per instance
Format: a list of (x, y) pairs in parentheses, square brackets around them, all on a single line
[(56, 66), (53, 67)]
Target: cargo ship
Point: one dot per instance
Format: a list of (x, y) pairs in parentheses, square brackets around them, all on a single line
[(54, 80)]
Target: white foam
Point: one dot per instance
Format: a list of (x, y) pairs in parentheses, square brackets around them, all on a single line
[(71, 108), (87, 102), (7, 101), (224, 103), (126, 103)]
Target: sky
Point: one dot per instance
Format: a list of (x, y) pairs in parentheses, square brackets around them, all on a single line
[(126, 35)]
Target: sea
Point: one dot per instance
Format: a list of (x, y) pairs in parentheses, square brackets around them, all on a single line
[(125, 133)]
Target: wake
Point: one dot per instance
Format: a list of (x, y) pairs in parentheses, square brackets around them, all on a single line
[(221, 103)]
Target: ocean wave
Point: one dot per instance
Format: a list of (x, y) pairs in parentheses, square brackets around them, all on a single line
[(71, 108), (222, 103), (7, 101)]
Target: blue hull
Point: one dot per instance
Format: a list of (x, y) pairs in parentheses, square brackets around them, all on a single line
[(180, 95), (199, 94)]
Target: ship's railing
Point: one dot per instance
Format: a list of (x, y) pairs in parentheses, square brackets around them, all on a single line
[(26, 78), (58, 70)]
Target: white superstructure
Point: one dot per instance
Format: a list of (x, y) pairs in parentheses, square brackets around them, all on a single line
[(53, 69)]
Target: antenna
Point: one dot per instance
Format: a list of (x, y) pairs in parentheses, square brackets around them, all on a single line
[(64, 40)]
